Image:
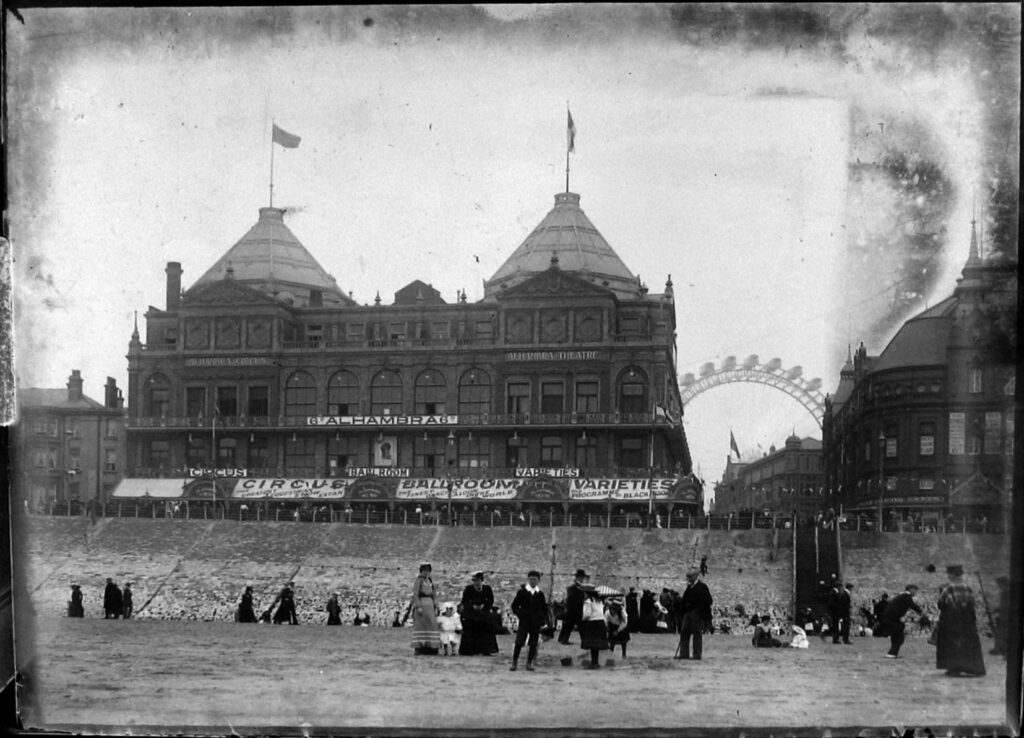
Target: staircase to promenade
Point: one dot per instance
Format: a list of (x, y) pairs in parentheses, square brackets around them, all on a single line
[(816, 557)]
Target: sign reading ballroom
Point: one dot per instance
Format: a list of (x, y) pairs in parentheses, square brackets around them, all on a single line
[(382, 420), (375, 471)]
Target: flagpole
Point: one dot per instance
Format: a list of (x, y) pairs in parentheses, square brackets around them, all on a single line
[(271, 165), (567, 146)]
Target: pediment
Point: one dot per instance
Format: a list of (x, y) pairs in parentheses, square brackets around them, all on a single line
[(225, 292), (555, 283)]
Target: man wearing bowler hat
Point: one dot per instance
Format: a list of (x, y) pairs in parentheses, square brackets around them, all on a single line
[(573, 607), (695, 615)]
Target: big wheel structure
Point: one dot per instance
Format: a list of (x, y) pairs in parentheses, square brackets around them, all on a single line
[(791, 381)]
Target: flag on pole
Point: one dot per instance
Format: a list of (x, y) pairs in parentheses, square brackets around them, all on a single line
[(733, 446), (285, 139), (571, 134)]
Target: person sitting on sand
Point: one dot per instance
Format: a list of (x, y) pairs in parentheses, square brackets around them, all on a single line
[(763, 637)]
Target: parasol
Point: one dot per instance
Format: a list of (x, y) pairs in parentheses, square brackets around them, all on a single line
[(606, 591)]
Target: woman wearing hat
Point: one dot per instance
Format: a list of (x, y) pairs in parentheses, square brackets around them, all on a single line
[(477, 628), (425, 637), (593, 629), (246, 613), (75, 609), (958, 648)]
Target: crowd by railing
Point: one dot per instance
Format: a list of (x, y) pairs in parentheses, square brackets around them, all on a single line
[(424, 515)]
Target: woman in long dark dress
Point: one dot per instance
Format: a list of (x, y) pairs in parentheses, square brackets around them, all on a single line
[(477, 623), (246, 613), (426, 636), (958, 647), (75, 608)]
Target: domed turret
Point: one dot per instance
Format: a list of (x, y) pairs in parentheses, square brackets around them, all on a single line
[(565, 237)]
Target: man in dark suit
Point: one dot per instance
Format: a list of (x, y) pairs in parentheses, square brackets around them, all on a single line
[(694, 608), (892, 619), (573, 607), (530, 607), (633, 610), (840, 608)]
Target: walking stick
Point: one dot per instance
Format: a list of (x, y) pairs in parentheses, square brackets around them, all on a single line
[(984, 600)]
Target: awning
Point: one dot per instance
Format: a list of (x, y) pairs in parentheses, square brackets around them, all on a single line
[(161, 488)]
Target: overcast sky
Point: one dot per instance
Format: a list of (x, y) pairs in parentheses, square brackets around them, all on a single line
[(433, 137)]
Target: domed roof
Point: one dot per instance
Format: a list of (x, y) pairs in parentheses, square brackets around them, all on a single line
[(567, 234), (270, 259)]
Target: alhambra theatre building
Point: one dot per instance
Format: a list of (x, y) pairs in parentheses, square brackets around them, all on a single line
[(556, 392)]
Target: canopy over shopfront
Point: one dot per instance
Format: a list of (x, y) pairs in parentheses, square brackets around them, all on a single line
[(154, 488)]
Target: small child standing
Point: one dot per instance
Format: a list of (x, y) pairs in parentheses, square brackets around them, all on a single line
[(618, 623), (451, 628)]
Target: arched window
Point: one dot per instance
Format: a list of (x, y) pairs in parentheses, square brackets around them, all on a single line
[(300, 394), (633, 391), (430, 393), (475, 393), (343, 394), (158, 396), (386, 394)]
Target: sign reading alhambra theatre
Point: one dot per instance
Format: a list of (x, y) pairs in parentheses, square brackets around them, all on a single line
[(382, 420)]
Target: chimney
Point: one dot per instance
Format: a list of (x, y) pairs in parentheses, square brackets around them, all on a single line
[(110, 393), (173, 284), (75, 385)]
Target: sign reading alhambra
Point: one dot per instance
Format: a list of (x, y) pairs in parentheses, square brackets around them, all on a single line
[(550, 355), (382, 420)]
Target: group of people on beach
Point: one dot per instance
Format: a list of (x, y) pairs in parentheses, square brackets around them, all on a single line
[(117, 602)]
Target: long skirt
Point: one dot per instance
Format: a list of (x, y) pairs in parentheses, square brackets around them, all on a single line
[(478, 637), (426, 637), (594, 635), (958, 648)]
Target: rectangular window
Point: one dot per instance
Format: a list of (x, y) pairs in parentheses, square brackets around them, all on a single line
[(515, 453), (993, 433), (586, 453), (518, 397), (299, 457), (440, 329), (483, 328), (112, 428), (974, 380), (428, 453), (195, 401), (890, 447), (74, 458), (159, 454), (170, 337), (197, 452), (226, 448), (257, 452), (551, 451), (314, 332), (973, 445), (159, 400), (72, 428), (110, 460), (926, 443), (631, 453), (355, 331), (40, 427), (396, 331), (259, 401), (552, 397), (474, 451), (227, 401), (586, 396)]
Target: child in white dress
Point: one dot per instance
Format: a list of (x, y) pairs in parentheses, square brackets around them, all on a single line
[(451, 628)]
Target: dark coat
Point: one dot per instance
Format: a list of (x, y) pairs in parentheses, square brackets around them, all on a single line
[(246, 613), (112, 602), (696, 597), (573, 602), (897, 608), (531, 609), (333, 611)]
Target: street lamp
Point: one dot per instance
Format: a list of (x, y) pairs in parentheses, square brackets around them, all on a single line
[(881, 477)]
